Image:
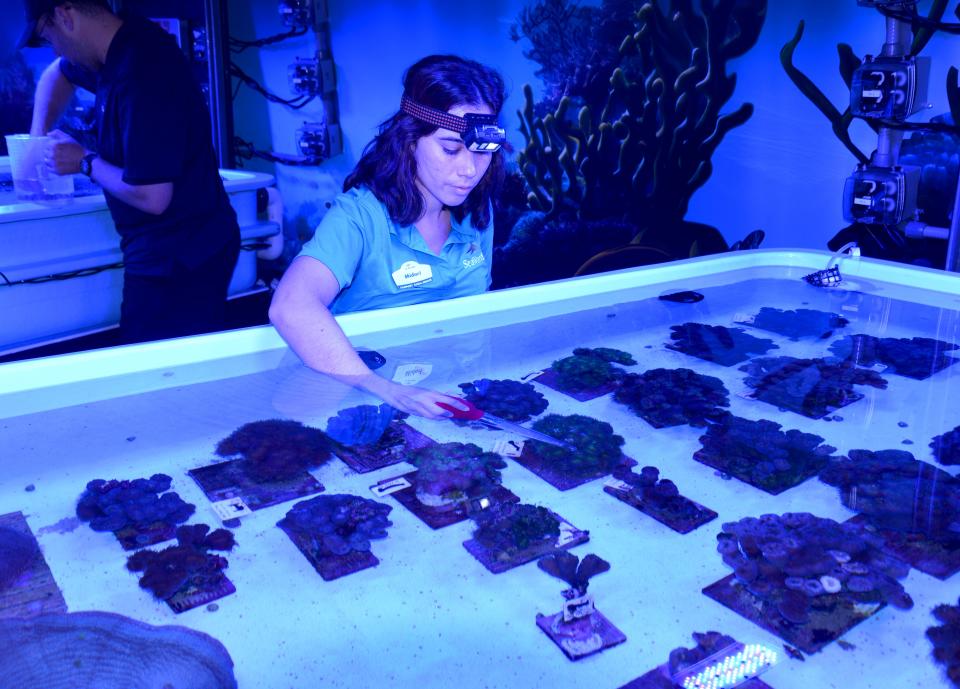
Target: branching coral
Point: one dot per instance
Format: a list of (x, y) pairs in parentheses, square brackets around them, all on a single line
[(17, 552), (897, 492), (184, 566), (137, 504), (642, 152), (506, 528), (598, 447), (799, 323), (453, 472), (811, 387), (574, 571), (590, 368), (916, 357), (946, 447), (570, 63), (796, 562), (276, 449), (337, 524), (946, 640), (717, 343), (612, 165), (761, 454), (362, 425), (508, 399), (673, 397)]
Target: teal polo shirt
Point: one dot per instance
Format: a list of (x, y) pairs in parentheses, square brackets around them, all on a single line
[(380, 264)]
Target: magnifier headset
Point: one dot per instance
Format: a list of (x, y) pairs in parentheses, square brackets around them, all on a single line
[(479, 132)]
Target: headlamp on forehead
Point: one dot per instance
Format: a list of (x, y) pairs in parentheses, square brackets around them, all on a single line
[(480, 133)]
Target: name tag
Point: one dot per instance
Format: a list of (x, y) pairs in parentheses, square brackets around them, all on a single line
[(412, 274)]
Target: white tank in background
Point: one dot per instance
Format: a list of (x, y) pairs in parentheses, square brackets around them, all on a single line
[(60, 273)]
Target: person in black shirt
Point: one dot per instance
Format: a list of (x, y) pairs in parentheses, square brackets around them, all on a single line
[(154, 160)]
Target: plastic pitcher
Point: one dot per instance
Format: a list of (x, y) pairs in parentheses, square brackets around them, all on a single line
[(32, 180)]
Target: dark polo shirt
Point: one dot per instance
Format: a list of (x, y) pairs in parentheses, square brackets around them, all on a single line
[(153, 123)]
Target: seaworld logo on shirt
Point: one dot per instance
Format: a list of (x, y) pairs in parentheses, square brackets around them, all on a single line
[(412, 274), (474, 261)]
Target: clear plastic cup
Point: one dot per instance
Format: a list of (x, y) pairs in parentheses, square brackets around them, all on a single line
[(32, 180)]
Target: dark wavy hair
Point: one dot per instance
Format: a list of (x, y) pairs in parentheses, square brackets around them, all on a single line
[(387, 166)]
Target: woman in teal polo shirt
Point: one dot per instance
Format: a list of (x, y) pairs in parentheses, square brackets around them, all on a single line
[(413, 225)]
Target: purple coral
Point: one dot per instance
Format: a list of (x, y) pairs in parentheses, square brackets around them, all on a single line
[(17, 553), (456, 471), (140, 504), (362, 425), (673, 397), (337, 524), (276, 450), (946, 447), (186, 565), (761, 454), (916, 357), (795, 561), (659, 493), (717, 343), (571, 569), (811, 387), (897, 492), (508, 399), (946, 640)]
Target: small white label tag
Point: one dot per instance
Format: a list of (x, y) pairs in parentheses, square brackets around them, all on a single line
[(412, 274), (853, 308), (231, 508), (531, 376), (575, 608), (616, 484), (508, 448), (411, 374), (390, 485), (568, 533), (879, 368)]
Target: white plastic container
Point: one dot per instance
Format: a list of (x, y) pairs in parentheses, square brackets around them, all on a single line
[(32, 180)]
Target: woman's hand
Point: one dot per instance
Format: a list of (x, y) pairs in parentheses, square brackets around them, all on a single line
[(413, 400)]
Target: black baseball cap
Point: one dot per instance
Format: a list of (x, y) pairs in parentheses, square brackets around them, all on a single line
[(33, 10)]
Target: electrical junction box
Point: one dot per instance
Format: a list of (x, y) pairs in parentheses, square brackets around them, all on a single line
[(319, 140), (312, 77), (891, 88), (881, 196)]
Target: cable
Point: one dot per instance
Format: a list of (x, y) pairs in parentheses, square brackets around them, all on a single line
[(941, 127), (296, 103), (238, 45), (246, 150), (57, 277)]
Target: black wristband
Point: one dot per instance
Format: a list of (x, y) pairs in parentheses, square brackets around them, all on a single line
[(86, 164)]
